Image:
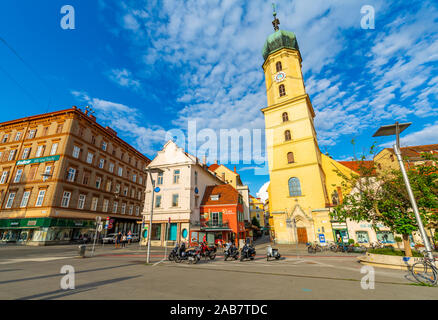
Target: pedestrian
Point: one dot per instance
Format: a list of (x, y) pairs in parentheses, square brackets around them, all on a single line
[(129, 236), (118, 239), (124, 240)]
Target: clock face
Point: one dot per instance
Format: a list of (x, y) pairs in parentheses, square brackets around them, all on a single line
[(280, 76)]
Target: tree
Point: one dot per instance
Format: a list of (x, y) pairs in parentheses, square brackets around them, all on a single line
[(380, 197), (255, 222)]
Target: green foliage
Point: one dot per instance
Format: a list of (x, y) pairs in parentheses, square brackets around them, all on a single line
[(392, 252), (350, 241), (398, 239), (380, 197), (255, 222)]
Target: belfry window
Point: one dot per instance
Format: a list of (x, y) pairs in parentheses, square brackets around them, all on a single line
[(285, 117), (287, 136), (294, 187), (278, 66), (290, 157), (282, 90)]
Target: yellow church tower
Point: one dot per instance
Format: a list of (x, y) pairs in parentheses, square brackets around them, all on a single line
[(297, 192)]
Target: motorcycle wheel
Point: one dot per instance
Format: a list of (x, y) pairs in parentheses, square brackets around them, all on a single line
[(241, 258), (170, 257), (196, 260), (212, 257), (277, 257), (225, 257), (177, 259), (252, 258), (309, 249)]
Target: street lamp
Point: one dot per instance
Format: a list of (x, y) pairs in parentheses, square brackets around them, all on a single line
[(396, 129), (149, 171)]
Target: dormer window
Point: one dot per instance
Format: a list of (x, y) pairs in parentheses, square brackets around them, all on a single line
[(214, 197)]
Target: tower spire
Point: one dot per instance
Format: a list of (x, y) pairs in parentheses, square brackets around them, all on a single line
[(275, 22)]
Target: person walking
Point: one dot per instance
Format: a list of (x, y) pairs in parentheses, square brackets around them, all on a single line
[(124, 240), (118, 239), (129, 236)]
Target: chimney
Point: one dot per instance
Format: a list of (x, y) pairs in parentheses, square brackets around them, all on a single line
[(235, 169)]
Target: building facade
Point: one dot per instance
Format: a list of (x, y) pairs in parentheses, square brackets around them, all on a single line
[(59, 171), (182, 183)]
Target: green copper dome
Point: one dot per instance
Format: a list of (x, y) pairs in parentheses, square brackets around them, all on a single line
[(278, 40)]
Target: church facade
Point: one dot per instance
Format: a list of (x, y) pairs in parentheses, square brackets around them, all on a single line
[(304, 186)]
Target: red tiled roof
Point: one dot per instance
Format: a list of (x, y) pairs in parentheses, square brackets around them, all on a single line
[(227, 195), (213, 167), (355, 165), (415, 151)]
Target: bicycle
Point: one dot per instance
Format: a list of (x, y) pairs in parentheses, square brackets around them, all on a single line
[(425, 271)]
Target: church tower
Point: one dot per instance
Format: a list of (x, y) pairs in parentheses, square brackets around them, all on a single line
[(297, 182)]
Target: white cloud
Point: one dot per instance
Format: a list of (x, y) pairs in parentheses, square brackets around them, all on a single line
[(124, 78), (427, 135)]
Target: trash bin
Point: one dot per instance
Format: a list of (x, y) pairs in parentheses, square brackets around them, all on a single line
[(82, 248)]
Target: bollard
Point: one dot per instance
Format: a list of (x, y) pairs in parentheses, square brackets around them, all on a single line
[(82, 249)]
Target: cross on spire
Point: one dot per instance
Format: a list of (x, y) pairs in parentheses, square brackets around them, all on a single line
[(275, 22)]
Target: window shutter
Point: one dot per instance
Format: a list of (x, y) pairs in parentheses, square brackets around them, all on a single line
[(220, 218)]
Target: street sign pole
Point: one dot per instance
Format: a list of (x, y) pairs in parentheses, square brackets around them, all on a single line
[(98, 220), (148, 255)]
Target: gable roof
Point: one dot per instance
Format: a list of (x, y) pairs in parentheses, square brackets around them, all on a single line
[(227, 195), (355, 165), (414, 152)]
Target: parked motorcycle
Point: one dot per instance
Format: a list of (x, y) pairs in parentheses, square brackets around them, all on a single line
[(173, 253), (313, 247), (231, 252), (208, 251), (247, 252), (272, 253), (192, 255)]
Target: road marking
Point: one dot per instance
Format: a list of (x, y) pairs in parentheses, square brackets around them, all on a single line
[(9, 261)]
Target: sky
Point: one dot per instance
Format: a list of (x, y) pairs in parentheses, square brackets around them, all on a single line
[(149, 67)]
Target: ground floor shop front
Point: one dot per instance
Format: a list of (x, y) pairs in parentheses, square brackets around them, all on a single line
[(44, 231)]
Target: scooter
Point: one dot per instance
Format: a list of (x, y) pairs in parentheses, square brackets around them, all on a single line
[(231, 252), (247, 252), (192, 256), (173, 253), (208, 251), (272, 253)]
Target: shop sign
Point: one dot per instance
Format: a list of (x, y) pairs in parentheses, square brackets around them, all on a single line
[(80, 223), (32, 223), (38, 160), (14, 224)]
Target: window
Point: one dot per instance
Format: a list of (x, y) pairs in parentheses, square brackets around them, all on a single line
[(40, 151), (137, 210), (71, 174), (139, 195), (4, 177), (125, 191), (131, 207), (156, 231), (176, 174), (18, 175), (10, 200), (214, 219), (65, 199), (175, 200), (17, 136), (25, 199), (93, 139), (98, 182), (105, 205), (282, 90), (385, 237), (294, 187), (123, 211), (90, 157), (196, 178), (86, 178), (76, 152), (214, 197), (109, 184), (59, 128), (32, 172), (46, 173), (287, 136), (120, 172), (45, 130), (278, 66), (12, 155), (101, 163), (54, 148), (118, 188), (111, 167), (362, 237), (26, 153), (158, 201), (5, 138), (115, 205), (140, 179), (285, 117), (134, 178), (40, 198), (290, 157), (94, 204), (160, 178), (31, 134), (132, 193), (104, 145), (81, 201)]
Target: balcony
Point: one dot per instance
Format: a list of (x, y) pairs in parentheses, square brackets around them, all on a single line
[(213, 225)]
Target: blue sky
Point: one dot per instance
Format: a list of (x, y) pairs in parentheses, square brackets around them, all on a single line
[(147, 67)]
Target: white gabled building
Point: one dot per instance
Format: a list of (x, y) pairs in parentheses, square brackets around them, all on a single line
[(182, 184)]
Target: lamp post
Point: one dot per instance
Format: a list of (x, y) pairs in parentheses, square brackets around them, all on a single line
[(396, 129), (149, 172)]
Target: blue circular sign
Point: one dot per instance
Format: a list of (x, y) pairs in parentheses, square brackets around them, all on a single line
[(157, 189)]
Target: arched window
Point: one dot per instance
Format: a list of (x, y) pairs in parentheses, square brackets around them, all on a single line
[(282, 90), (290, 157), (285, 117), (278, 66), (287, 135), (294, 187), (335, 198)]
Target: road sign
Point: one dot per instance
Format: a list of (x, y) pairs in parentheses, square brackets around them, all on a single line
[(157, 189), (321, 238)]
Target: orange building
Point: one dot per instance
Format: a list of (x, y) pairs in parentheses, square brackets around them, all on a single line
[(222, 216)]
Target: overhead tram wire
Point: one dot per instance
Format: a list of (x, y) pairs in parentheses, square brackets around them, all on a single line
[(28, 66)]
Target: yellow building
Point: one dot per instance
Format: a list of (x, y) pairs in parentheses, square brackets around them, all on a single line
[(257, 210), (303, 184)]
